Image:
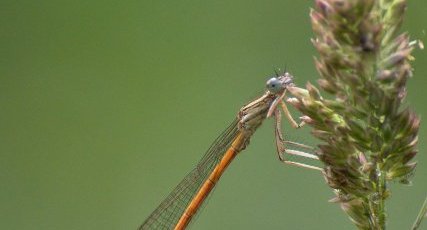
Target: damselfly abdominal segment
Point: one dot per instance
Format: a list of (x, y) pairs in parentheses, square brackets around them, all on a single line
[(177, 210)]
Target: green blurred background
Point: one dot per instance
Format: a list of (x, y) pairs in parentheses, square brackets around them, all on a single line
[(106, 105)]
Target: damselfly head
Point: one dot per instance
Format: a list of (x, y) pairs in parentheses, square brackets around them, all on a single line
[(276, 85)]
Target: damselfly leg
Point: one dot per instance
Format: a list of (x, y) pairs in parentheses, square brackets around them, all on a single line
[(288, 115), (281, 143)]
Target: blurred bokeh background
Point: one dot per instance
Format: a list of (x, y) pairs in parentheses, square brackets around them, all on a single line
[(106, 105)]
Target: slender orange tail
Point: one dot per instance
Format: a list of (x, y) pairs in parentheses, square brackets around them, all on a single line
[(209, 184)]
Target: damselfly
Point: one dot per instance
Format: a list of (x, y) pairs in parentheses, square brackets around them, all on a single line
[(177, 210)]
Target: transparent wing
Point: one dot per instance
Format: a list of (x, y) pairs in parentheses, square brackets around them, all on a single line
[(170, 210)]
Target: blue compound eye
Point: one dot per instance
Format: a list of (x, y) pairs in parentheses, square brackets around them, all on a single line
[(274, 85)]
